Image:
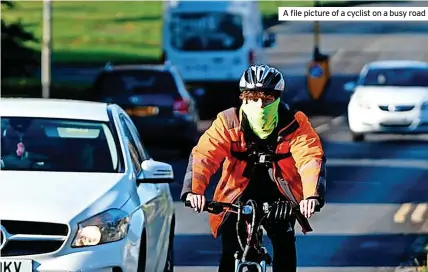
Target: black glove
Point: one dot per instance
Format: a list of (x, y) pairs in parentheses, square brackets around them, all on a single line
[(281, 211)]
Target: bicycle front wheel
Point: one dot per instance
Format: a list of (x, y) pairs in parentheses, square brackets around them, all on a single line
[(250, 267)]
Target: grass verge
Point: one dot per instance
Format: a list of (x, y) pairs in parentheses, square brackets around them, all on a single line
[(97, 32), (30, 87)]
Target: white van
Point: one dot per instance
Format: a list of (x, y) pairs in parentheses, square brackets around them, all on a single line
[(214, 41)]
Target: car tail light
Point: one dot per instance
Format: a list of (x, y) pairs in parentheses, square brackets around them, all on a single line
[(181, 106), (251, 57)]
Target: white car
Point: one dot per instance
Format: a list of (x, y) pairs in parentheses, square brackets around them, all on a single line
[(389, 97), (79, 192)]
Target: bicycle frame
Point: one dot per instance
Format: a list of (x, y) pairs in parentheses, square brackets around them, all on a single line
[(253, 256)]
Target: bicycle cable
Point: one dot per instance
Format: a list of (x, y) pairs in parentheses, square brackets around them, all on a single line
[(237, 228), (252, 226), (253, 223)]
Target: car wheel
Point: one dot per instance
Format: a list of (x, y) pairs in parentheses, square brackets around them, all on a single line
[(358, 137), (142, 255), (169, 264)]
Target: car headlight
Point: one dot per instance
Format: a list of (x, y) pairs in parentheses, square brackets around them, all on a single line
[(361, 101), (109, 226), (424, 106)]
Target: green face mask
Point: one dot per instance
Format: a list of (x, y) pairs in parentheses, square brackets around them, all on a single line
[(262, 120)]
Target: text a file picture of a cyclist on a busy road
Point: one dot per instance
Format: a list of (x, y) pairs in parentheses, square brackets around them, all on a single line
[(198, 136)]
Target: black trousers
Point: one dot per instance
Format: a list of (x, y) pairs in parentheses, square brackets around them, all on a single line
[(283, 242)]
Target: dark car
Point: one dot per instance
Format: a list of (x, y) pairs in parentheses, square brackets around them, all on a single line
[(156, 99)]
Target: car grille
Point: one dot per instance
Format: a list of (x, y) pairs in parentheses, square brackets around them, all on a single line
[(396, 108), (28, 238)]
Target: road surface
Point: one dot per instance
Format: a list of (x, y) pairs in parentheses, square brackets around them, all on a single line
[(377, 207)]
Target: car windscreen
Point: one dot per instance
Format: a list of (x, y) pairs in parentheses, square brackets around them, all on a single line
[(206, 31), (399, 77), (57, 145), (136, 82)]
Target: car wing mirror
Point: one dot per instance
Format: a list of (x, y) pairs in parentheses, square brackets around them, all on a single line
[(155, 172), (350, 86)]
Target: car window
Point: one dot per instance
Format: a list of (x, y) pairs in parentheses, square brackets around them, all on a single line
[(206, 31), (132, 146), (400, 77), (137, 139), (136, 82), (57, 145)]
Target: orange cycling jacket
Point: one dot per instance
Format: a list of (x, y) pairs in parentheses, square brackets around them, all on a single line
[(298, 176)]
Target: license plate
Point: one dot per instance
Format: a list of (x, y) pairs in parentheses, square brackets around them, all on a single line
[(141, 112), (16, 265), (396, 121)]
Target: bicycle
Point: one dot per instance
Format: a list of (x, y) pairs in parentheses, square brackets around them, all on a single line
[(253, 257)]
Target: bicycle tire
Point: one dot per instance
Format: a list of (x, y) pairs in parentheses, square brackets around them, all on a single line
[(249, 268)]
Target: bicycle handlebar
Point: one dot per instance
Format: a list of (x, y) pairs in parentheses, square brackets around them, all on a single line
[(217, 207)]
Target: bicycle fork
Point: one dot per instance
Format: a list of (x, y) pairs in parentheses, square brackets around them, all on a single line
[(240, 264), (252, 266), (262, 253)]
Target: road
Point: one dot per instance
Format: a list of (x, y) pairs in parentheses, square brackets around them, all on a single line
[(375, 213)]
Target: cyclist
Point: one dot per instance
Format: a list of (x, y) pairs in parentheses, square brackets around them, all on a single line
[(271, 154)]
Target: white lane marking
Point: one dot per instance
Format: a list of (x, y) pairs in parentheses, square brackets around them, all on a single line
[(400, 215), (322, 128), (340, 53), (418, 214), (333, 122), (338, 120), (415, 164)]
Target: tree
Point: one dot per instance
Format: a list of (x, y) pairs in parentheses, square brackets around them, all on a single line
[(17, 59)]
